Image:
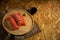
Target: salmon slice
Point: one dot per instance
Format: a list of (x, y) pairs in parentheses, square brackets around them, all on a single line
[(19, 19), (12, 22)]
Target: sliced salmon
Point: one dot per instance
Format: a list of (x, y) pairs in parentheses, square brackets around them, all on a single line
[(19, 19), (12, 22)]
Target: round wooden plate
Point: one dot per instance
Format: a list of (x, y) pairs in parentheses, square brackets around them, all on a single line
[(22, 29)]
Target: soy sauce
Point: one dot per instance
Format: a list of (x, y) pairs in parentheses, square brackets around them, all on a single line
[(32, 10)]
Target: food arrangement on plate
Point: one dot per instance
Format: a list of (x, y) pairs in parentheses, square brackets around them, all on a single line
[(17, 22)]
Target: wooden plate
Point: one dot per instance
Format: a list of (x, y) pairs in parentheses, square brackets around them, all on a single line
[(22, 29)]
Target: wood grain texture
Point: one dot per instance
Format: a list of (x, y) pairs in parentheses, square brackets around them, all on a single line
[(47, 16)]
